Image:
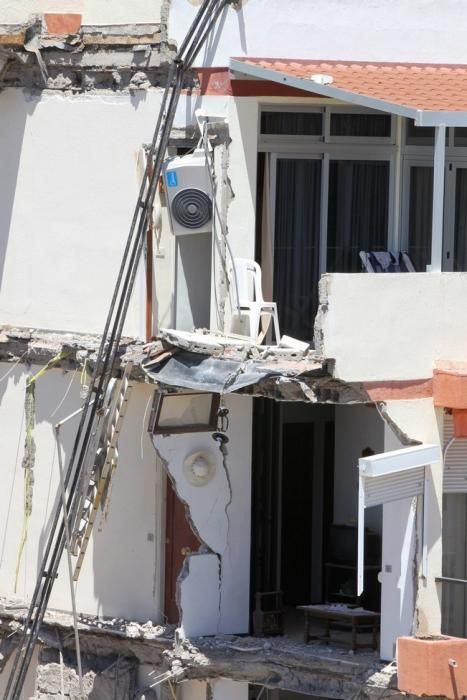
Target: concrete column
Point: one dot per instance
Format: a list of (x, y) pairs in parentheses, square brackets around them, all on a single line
[(438, 199)]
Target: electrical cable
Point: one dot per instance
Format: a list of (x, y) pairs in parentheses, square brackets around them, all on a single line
[(218, 214)]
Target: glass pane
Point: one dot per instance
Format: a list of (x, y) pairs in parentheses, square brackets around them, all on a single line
[(460, 222), (420, 215), (454, 564), (419, 135), (360, 125), (182, 410), (296, 245), (292, 123), (460, 136), (357, 211)]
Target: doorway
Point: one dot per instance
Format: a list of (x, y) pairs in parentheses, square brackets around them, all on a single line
[(180, 540), (292, 504)]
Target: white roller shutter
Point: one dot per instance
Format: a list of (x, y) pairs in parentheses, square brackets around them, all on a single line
[(388, 477), (455, 460)]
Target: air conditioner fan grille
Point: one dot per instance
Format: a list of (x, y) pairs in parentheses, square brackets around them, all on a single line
[(191, 208)]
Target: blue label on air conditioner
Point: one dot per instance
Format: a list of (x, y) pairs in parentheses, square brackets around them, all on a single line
[(172, 180)]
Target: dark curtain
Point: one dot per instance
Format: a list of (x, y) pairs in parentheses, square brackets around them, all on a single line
[(292, 123), (265, 496), (296, 245), (357, 211), (420, 215), (460, 230)]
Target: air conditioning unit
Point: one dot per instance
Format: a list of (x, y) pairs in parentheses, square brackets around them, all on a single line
[(189, 193)]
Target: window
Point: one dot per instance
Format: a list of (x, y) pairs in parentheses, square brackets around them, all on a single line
[(292, 123), (360, 125)]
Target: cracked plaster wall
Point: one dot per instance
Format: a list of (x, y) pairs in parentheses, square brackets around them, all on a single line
[(126, 544), (221, 516)]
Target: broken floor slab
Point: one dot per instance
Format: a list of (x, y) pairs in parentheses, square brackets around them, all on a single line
[(210, 361), (40, 347), (276, 662)]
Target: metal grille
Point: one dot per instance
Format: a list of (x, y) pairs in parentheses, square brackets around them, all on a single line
[(192, 208), (394, 487), (455, 460)]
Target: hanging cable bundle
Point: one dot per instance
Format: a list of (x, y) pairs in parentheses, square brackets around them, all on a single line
[(92, 423)]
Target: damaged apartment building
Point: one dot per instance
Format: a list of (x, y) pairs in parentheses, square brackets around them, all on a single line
[(251, 480)]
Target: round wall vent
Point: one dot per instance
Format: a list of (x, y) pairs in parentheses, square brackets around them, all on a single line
[(191, 208), (199, 468)]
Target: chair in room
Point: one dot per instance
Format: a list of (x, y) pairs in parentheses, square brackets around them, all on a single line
[(386, 261)]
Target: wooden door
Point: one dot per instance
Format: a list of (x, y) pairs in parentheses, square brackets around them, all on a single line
[(179, 541)]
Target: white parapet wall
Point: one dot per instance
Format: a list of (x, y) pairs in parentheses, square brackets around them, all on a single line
[(382, 327)]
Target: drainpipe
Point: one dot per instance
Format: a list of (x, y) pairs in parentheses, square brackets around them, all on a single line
[(438, 200)]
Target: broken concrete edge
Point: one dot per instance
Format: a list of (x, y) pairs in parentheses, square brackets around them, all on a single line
[(295, 376), (47, 26), (275, 662), (39, 347)]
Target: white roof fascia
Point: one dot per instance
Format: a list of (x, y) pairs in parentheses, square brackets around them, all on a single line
[(421, 117), (429, 118), (399, 460)]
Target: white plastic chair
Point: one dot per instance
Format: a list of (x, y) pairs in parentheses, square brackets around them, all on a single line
[(247, 279)]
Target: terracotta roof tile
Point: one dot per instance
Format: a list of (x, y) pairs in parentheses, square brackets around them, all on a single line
[(433, 87)]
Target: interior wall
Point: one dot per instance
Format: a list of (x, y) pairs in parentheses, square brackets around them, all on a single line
[(125, 543), (220, 513), (357, 427)]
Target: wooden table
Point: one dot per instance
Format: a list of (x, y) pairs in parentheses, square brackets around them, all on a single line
[(356, 619)]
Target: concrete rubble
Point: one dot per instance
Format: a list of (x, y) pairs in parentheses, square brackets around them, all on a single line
[(112, 649)]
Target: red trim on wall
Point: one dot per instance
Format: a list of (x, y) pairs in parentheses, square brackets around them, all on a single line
[(219, 81), (62, 23), (399, 390)]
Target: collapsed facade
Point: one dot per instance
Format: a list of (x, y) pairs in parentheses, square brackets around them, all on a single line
[(326, 468)]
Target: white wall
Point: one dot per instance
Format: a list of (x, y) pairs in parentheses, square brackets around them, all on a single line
[(390, 327), (356, 427), (68, 186), (401, 30), (221, 515), (402, 584), (93, 11), (126, 544)]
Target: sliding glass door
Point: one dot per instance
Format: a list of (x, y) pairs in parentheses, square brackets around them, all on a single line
[(326, 210), (296, 243), (358, 211)]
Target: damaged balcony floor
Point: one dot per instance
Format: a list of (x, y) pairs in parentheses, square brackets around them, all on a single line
[(277, 662)]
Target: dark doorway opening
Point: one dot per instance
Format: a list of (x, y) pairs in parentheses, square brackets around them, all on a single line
[(292, 500)]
